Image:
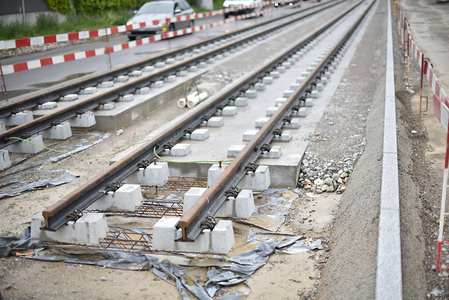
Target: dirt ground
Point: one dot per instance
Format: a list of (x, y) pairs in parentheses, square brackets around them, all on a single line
[(346, 222)]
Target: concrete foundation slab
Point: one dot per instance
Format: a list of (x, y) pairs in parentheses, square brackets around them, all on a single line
[(88, 230), (126, 198)]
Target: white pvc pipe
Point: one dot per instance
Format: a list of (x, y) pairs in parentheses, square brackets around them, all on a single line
[(195, 99), (182, 103)]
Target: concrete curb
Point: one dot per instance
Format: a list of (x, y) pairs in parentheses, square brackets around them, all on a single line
[(389, 266)]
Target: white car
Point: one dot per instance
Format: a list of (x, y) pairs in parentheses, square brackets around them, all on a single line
[(246, 10), (160, 10)]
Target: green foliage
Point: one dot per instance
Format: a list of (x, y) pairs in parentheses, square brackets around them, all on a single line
[(63, 6), (94, 7)]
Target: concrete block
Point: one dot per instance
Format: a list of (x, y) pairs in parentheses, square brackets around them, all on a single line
[(251, 94), (48, 105), (258, 181), (271, 111), (143, 90), (260, 122), (105, 84), (275, 152), (319, 86), (126, 198), (193, 69), (59, 132), (294, 86), (281, 69), (107, 106), (260, 86), (135, 73), (280, 101), (88, 230), (214, 171), (121, 78), (5, 161), (153, 175), (170, 78), (2, 126), (286, 64), (159, 64), (235, 150), (219, 242), (267, 79), (180, 150), (158, 84), (287, 93), (215, 122), (300, 79), (148, 69), (19, 118), (127, 97), (309, 102), (286, 136), (199, 134), (69, 97), (294, 124), (241, 101), (202, 65), (170, 61), (248, 135), (275, 74), (222, 237), (324, 80), (85, 120), (314, 94), (229, 111), (183, 73), (24, 147), (191, 196), (88, 90), (302, 112), (244, 204), (164, 233), (240, 207)]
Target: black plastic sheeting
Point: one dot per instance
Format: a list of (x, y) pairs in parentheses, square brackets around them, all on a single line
[(63, 176), (241, 267), (20, 242)]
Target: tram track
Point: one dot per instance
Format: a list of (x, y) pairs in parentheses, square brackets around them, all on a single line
[(81, 198), (186, 59)]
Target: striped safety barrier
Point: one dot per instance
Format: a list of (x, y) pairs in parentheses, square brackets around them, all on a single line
[(72, 36), (38, 63)]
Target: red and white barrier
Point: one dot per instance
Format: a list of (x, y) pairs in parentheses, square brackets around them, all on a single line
[(28, 65), (441, 111), (72, 36)]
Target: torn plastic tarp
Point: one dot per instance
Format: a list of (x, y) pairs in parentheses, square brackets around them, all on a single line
[(18, 242), (65, 177), (241, 266)]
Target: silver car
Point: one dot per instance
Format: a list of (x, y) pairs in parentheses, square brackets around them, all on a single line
[(160, 10)]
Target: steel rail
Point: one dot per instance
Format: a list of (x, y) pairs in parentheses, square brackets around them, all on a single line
[(54, 94), (47, 121), (214, 197), (79, 199)]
